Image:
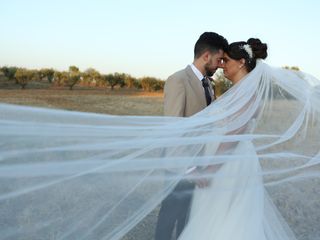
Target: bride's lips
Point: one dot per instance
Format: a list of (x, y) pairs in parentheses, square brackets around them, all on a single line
[(225, 72)]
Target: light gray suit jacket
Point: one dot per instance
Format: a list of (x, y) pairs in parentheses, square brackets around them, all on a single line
[(184, 94)]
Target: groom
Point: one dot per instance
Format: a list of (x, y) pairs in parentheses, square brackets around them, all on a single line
[(187, 92)]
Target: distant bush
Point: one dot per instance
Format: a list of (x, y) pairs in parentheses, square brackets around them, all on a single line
[(9, 72), (221, 83), (152, 84), (47, 73), (89, 77), (59, 78), (24, 76)]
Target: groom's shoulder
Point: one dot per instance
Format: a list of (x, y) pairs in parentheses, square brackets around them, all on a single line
[(180, 75)]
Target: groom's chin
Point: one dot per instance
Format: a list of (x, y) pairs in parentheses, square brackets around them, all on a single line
[(210, 73)]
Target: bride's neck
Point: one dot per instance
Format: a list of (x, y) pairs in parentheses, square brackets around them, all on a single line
[(240, 75)]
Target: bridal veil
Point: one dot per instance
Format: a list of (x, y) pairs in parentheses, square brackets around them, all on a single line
[(75, 175)]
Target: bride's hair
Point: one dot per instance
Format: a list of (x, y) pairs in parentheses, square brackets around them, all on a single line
[(250, 51)]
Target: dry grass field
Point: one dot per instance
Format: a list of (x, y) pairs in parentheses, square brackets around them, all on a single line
[(118, 101), (85, 99)]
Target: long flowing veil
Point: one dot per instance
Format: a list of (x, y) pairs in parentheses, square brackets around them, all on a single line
[(74, 175)]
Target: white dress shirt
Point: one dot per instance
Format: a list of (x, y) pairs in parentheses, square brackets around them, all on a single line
[(200, 77), (196, 71)]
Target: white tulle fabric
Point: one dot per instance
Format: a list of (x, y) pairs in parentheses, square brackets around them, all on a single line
[(73, 175)]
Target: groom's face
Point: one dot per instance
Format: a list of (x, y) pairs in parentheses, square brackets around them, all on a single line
[(213, 63)]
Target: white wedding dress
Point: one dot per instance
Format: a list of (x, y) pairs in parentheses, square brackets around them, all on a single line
[(235, 205)]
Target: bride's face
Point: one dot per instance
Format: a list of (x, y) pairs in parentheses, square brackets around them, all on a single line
[(232, 68)]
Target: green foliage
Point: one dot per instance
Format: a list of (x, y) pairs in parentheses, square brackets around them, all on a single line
[(110, 80), (129, 81), (91, 77), (47, 73), (73, 77), (59, 78), (74, 69), (9, 72), (24, 76), (120, 78), (115, 79), (294, 68), (221, 83), (151, 84), (159, 86), (137, 84)]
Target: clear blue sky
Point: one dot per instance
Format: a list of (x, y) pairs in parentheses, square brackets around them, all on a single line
[(151, 38)]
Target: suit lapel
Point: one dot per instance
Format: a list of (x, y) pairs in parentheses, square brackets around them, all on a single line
[(196, 86)]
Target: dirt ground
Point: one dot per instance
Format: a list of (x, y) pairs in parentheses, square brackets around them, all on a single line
[(118, 101)]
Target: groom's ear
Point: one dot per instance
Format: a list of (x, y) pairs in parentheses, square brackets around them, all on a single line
[(206, 56)]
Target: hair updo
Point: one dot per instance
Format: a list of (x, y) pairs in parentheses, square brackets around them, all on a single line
[(250, 51)]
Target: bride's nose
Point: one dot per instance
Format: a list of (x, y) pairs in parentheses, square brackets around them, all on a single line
[(221, 63)]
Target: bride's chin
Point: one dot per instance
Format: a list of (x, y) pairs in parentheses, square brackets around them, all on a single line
[(229, 78)]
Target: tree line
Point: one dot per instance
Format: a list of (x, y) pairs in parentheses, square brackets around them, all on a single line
[(74, 76), (93, 78)]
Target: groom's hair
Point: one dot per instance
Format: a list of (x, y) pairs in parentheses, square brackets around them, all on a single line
[(210, 41)]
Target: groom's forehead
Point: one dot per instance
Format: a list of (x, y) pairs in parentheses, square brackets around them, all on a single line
[(219, 53)]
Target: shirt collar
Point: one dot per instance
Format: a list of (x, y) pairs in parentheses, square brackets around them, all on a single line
[(196, 71)]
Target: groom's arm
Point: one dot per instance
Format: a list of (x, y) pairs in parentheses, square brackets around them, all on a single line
[(174, 97)]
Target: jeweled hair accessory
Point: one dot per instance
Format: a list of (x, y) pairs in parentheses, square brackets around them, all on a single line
[(248, 49)]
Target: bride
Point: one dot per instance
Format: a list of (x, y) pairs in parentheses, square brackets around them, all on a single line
[(255, 151), (242, 210)]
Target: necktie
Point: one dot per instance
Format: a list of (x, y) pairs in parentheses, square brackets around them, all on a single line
[(205, 85)]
